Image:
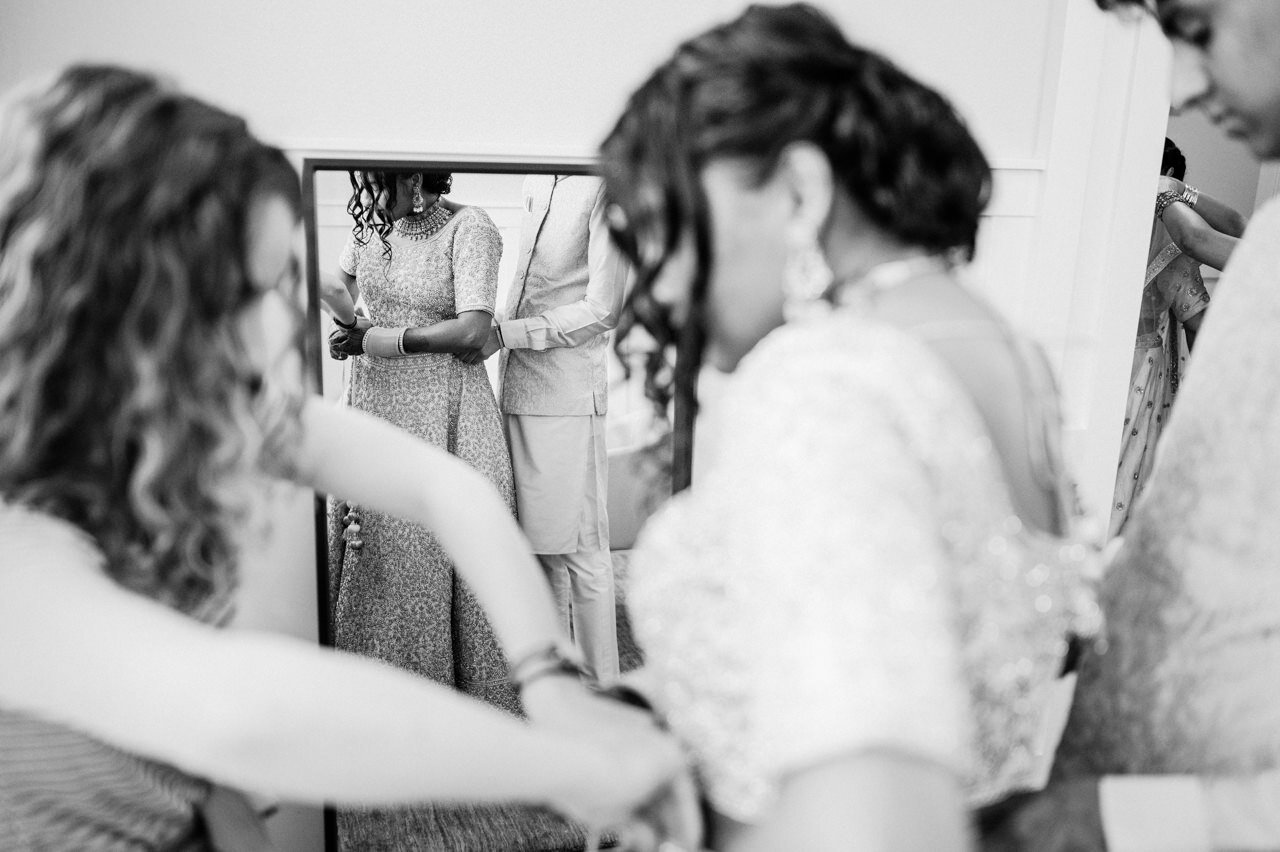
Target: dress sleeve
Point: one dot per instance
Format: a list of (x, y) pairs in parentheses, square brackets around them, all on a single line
[(850, 603), (477, 251)]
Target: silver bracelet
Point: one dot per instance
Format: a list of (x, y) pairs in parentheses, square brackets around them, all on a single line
[(400, 341), (1190, 195)]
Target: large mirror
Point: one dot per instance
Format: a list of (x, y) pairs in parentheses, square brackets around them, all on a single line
[(386, 588)]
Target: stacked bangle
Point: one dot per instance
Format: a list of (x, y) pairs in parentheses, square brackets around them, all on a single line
[(383, 342), (551, 659)]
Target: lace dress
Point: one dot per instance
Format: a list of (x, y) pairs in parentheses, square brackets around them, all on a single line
[(398, 598), (848, 573), (1190, 677)]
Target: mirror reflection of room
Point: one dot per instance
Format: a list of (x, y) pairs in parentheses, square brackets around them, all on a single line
[(1194, 230), (475, 311)]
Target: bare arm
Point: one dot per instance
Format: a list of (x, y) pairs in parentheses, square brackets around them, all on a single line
[(1197, 238), (874, 801), (1220, 216), (269, 713), (360, 458), (464, 334), (339, 294)]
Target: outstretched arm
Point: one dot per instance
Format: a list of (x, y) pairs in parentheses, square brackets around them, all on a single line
[(360, 458), (1196, 237), (339, 294), (1220, 215), (273, 714)]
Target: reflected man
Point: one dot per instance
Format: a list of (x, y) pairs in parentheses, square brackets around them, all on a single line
[(567, 295)]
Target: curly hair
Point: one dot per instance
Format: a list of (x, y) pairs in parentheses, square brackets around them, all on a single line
[(374, 195), (128, 404), (746, 90)]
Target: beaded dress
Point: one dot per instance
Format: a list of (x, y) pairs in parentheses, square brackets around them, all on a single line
[(397, 597), (848, 573)]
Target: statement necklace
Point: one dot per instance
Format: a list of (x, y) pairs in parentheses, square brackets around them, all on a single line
[(860, 289), (420, 226)]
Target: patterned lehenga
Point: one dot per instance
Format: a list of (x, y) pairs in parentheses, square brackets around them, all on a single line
[(397, 597), (848, 572), (1173, 292)]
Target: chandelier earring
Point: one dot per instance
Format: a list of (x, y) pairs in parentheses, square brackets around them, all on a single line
[(806, 278), (419, 203)]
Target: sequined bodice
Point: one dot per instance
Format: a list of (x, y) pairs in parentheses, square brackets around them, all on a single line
[(848, 573)]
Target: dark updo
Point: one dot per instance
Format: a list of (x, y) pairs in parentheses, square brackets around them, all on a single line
[(1173, 159), (746, 90), (372, 218)]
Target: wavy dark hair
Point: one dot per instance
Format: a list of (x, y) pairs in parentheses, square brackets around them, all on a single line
[(746, 90), (374, 195), (128, 404)]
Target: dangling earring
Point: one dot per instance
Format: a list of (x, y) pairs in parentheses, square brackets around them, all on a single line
[(805, 279), (419, 204)]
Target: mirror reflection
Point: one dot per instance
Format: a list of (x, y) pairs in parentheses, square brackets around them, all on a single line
[(475, 310)]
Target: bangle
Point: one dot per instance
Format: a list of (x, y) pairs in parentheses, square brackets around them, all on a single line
[(551, 659), (1164, 200), (1190, 195), (400, 341), (382, 342), (497, 330), (340, 324)]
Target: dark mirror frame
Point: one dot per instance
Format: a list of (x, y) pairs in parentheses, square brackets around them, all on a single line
[(313, 354)]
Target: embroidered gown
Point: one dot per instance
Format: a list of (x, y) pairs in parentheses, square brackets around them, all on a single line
[(398, 598)]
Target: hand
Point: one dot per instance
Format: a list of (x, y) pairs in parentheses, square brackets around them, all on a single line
[(491, 345), (469, 356), (344, 343), (1064, 817), (650, 791), (1170, 184)]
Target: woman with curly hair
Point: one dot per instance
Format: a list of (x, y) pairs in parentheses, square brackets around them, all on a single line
[(426, 273), (147, 291), (858, 615)]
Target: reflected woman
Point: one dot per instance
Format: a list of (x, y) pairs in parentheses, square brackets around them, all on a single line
[(857, 616), (426, 273)]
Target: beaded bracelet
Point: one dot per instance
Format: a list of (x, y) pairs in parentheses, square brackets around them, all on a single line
[(551, 659), (1164, 199)]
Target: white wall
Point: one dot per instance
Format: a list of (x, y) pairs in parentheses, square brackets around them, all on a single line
[(1216, 164), (1069, 103)]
